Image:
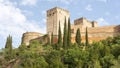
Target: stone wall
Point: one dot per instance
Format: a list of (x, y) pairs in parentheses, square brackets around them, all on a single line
[(94, 34), (98, 33), (28, 36), (85, 23)]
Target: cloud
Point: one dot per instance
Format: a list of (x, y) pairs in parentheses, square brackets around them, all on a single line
[(102, 21), (105, 1), (28, 2), (67, 2), (89, 7), (15, 23)]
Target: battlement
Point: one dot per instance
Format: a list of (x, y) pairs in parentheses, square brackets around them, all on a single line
[(54, 10), (85, 23), (57, 8)]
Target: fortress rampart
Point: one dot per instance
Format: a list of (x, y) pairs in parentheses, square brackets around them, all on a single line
[(98, 33), (57, 15), (28, 36)]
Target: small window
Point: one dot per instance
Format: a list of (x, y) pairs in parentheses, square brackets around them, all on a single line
[(49, 14), (53, 13)]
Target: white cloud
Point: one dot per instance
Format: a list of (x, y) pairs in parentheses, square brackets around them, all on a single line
[(67, 2), (102, 21), (28, 2), (15, 23), (89, 7), (105, 1)]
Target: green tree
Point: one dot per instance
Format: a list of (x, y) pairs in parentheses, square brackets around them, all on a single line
[(65, 35), (8, 47), (107, 61), (86, 37), (116, 40), (69, 34), (52, 41), (76, 58), (48, 40), (59, 38), (115, 50), (54, 59), (78, 37)]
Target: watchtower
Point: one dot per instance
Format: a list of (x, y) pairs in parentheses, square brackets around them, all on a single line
[(54, 16)]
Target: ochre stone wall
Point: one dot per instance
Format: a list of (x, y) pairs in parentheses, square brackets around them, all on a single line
[(28, 36), (85, 23), (94, 34), (97, 33)]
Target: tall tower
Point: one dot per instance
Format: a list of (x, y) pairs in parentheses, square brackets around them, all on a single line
[(54, 16)]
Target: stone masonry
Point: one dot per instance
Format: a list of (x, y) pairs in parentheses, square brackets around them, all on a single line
[(54, 16)]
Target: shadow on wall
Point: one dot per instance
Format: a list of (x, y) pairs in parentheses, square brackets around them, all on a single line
[(45, 39), (42, 40), (117, 30)]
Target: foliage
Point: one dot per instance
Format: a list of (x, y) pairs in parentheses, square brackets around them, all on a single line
[(97, 55), (78, 37), (86, 37), (52, 39), (65, 35), (8, 48), (69, 34), (59, 38)]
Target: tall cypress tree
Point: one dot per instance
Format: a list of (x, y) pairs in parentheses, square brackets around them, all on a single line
[(7, 42), (86, 37), (52, 41), (69, 34), (48, 42), (59, 37), (65, 35), (8, 46), (78, 37)]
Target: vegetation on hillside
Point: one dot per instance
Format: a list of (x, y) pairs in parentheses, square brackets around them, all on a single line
[(64, 54)]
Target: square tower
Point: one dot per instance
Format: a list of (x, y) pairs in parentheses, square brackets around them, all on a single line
[(54, 16)]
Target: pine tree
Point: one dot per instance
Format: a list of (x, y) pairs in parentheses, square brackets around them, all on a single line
[(69, 34), (59, 37), (8, 47), (86, 37), (52, 41), (78, 37), (65, 35)]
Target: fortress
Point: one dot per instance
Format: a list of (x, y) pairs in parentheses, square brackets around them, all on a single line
[(56, 15)]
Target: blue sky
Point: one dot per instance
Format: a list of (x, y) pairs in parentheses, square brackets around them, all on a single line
[(20, 16)]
